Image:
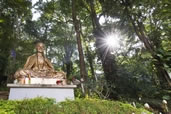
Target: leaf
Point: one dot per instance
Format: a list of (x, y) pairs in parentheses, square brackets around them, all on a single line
[(1, 20), (146, 55), (166, 97)]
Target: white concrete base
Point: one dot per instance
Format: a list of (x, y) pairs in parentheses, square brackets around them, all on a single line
[(37, 80), (26, 91)]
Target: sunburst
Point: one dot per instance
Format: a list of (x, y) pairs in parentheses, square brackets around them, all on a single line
[(108, 44)]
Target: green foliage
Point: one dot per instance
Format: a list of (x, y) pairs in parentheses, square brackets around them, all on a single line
[(135, 76), (78, 106), (95, 106), (7, 107), (32, 106), (152, 18), (26, 106), (12, 16)]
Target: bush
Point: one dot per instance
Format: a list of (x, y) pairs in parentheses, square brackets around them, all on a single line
[(7, 107), (27, 106), (34, 106), (94, 106), (78, 106)]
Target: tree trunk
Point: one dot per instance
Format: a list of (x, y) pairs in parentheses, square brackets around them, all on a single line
[(69, 68), (78, 36), (90, 60), (68, 47), (162, 73), (108, 61)]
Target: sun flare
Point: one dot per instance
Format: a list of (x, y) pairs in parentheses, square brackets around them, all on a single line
[(109, 43), (112, 41)]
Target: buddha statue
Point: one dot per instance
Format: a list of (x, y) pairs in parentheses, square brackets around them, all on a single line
[(37, 65)]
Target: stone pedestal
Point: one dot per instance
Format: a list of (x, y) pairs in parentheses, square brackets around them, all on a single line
[(58, 92), (42, 80)]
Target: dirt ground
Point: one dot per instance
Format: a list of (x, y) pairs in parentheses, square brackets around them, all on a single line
[(4, 95)]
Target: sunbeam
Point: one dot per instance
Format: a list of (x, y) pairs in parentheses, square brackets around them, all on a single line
[(109, 44), (112, 41)]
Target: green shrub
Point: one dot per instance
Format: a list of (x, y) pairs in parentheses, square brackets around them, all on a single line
[(78, 106), (7, 107), (34, 106), (94, 106), (27, 106)]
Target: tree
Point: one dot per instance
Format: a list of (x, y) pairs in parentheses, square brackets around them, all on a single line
[(12, 17), (108, 60), (78, 36), (143, 17)]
